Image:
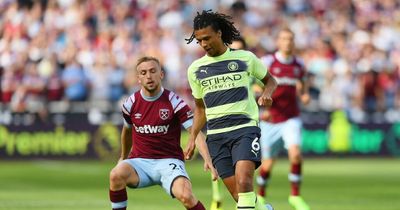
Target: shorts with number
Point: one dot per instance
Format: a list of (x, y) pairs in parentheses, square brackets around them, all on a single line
[(161, 172), (276, 136), (228, 148)]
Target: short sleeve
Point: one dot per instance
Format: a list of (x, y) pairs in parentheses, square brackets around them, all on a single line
[(126, 110), (181, 110), (194, 83), (257, 68), (303, 74)]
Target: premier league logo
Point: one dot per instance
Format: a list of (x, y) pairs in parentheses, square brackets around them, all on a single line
[(164, 114)]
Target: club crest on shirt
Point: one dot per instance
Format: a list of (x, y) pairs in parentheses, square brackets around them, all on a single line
[(276, 70), (164, 114), (233, 66)]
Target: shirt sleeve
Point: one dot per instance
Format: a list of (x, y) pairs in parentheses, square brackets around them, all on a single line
[(181, 110), (126, 110), (257, 68), (303, 74), (194, 83)]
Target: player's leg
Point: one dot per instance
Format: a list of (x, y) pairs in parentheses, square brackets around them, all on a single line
[(220, 151), (244, 183), (264, 176), (246, 157), (247, 198), (230, 184), (120, 176), (292, 141), (133, 173), (295, 174), (182, 190), (216, 203), (175, 181), (271, 145), (222, 161)]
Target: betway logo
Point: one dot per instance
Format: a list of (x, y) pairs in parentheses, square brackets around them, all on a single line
[(286, 81), (220, 79), (152, 129)]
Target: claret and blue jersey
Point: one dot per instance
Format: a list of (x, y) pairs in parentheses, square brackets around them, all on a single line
[(156, 124)]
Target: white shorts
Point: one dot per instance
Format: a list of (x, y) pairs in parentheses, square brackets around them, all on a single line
[(161, 172), (276, 136)]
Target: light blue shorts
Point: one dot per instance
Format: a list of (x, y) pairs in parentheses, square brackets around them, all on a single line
[(161, 172), (276, 136)]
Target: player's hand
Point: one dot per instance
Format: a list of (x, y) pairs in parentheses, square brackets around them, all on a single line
[(305, 98), (265, 101), (208, 166), (265, 115), (189, 150)]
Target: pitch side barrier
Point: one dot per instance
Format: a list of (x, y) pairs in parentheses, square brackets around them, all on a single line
[(96, 135)]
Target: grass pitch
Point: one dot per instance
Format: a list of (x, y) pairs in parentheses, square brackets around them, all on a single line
[(328, 184)]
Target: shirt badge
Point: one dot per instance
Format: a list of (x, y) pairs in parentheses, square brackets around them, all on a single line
[(164, 114)]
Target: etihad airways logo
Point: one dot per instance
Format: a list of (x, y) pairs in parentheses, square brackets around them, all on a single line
[(221, 79), (152, 129)]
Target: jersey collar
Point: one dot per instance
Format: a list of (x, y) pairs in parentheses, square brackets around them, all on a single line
[(283, 60), (152, 98), (222, 55)]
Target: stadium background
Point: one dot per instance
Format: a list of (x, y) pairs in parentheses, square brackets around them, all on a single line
[(65, 65)]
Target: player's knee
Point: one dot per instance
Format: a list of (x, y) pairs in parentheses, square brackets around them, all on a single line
[(295, 154), (266, 165), (183, 192), (186, 198), (295, 157), (116, 177), (245, 184)]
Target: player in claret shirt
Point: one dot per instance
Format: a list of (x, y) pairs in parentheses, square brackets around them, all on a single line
[(150, 140), (280, 123)]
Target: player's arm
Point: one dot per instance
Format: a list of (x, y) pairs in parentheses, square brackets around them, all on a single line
[(303, 90), (199, 120), (260, 71), (270, 85), (126, 142), (205, 154)]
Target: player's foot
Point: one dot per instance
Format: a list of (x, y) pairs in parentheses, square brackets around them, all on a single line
[(216, 205), (269, 207), (298, 203), (261, 200)]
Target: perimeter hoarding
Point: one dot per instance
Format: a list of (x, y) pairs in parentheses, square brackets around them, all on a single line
[(76, 137)]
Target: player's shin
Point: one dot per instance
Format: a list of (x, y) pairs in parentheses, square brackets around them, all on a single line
[(119, 199), (295, 178), (262, 182)]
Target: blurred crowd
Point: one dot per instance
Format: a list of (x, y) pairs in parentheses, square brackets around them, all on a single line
[(85, 50)]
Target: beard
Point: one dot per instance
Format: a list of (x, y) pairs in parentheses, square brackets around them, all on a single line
[(151, 89)]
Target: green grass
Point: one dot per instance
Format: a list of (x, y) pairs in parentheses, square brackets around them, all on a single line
[(328, 184)]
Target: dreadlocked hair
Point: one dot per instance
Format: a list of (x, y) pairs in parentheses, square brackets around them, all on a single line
[(217, 21)]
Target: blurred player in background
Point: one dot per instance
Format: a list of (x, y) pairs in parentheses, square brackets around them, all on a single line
[(281, 122), (220, 83), (238, 43), (150, 141)]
